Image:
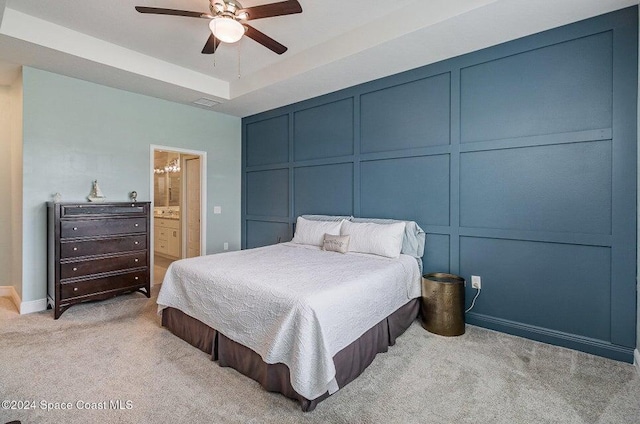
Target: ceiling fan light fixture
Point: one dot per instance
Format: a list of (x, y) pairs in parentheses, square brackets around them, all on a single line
[(226, 29)]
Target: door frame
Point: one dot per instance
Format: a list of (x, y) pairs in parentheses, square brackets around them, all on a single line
[(183, 201), (203, 196)]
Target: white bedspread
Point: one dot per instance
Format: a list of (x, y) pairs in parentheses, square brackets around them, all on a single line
[(290, 303)]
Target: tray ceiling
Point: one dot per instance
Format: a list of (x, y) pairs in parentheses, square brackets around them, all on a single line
[(333, 44)]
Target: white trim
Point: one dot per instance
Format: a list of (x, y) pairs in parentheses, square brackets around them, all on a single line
[(23, 307), (636, 360), (203, 196), (10, 291), (33, 306)]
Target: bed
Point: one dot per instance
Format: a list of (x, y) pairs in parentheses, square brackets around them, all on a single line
[(300, 319)]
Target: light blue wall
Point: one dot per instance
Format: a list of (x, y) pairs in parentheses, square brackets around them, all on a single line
[(519, 161), (76, 131)]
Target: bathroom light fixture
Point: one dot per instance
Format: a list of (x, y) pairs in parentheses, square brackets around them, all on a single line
[(226, 29), (173, 166)]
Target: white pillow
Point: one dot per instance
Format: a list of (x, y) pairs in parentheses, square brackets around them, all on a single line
[(378, 239), (312, 232)]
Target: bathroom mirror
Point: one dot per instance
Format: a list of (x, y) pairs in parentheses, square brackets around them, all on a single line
[(167, 175)]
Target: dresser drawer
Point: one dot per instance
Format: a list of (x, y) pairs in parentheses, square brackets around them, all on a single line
[(100, 285), (102, 227), (96, 266), (72, 249), (102, 209)]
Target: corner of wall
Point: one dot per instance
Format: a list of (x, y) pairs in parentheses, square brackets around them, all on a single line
[(636, 354), (11, 188), (33, 306), (22, 307), (17, 123)]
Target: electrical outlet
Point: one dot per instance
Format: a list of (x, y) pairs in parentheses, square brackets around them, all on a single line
[(476, 282), (225, 246)]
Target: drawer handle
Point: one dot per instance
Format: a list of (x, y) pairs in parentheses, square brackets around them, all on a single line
[(75, 269), (136, 278), (135, 260), (75, 289), (75, 248), (136, 242), (135, 225), (75, 228)]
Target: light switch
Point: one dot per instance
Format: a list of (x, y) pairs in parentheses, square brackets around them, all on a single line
[(217, 209)]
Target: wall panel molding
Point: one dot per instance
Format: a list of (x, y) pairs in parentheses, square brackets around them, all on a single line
[(519, 162), (571, 341), (536, 92), (413, 114), (324, 131), (544, 140)]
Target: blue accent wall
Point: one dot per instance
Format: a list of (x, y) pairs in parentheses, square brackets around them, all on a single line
[(519, 161)]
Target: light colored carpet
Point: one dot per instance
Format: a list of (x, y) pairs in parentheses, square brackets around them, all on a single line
[(117, 350)]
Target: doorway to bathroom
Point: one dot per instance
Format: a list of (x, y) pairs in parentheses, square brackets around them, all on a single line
[(178, 179)]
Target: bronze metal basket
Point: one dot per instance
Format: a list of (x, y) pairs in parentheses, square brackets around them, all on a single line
[(442, 304)]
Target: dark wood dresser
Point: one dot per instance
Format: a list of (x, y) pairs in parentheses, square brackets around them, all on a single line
[(96, 251)]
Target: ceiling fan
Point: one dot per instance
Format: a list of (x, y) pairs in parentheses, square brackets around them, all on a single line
[(227, 21)]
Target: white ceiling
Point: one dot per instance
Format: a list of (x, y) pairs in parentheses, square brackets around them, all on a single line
[(333, 44)]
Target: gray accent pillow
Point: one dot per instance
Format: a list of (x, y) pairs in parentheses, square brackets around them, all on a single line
[(414, 236), (334, 243)]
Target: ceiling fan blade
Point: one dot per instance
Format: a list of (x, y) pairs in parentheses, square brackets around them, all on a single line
[(161, 11), (211, 45), (288, 7), (264, 39)]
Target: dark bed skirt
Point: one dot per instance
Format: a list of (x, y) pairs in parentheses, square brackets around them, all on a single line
[(349, 362)]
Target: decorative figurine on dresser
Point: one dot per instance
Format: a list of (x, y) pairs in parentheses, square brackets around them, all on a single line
[(96, 251)]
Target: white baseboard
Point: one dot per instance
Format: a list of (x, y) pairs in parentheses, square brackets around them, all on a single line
[(636, 360), (33, 306), (10, 292), (6, 291), (23, 307)]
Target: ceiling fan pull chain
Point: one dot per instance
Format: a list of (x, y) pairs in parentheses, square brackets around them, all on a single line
[(239, 59)]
